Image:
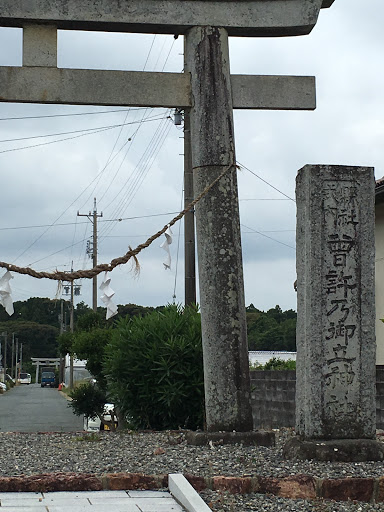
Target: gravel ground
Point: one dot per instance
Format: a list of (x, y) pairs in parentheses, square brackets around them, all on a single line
[(224, 502), (167, 452)]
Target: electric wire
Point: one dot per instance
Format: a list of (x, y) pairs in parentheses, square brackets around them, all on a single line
[(48, 116), (155, 118), (150, 161), (121, 164), (58, 218), (57, 252), (166, 60), (115, 201), (119, 134), (266, 236), (110, 158), (137, 176), (134, 189), (265, 181), (78, 136), (60, 140), (118, 137)]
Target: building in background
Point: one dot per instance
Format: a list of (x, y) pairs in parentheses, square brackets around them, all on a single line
[(263, 356), (379, 279), (80, 373)]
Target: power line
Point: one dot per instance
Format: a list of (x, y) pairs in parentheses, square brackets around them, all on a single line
[(137, 176), (78, 223), (119, 135), (54, 141), (56, 252), (66, 115), (266, 236), (98, 175), (266, 182), (123, 159), (155, 118)]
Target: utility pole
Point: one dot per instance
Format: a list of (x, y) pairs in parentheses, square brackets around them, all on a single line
[(13, 355), (16, 361), (189, 218), (5, 356), (61, 320), (2, 356), (71, 329), (92, 216), (21, 357)]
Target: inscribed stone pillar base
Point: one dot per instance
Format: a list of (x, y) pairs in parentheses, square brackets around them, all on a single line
[(336, 348)]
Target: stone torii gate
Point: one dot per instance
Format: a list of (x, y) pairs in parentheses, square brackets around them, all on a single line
[(44, 361), (210, 93)]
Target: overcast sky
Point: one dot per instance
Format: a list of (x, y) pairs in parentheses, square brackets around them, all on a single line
[(47, 185)]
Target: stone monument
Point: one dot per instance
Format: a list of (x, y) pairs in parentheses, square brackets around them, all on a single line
[(336, 348)]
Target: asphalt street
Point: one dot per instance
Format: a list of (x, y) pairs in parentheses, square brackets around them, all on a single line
[(31, 408)]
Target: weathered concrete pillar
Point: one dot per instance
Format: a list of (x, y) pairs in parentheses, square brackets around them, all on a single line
[(336, 348), (226, 369)]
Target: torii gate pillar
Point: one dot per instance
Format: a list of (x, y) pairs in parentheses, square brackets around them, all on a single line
[(224, 330)]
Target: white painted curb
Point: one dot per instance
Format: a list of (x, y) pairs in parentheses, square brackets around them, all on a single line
[(185, 494)]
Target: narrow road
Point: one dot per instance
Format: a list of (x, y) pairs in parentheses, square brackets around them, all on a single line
[(34, 409)]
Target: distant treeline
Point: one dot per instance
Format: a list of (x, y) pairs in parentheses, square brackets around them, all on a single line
[(36, 324), (271, 330)]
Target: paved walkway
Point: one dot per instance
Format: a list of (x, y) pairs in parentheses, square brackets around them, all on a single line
[(36, 409), (91, 501)]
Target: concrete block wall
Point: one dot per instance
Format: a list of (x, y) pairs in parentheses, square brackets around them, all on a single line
[(273, 398), (380, 397)]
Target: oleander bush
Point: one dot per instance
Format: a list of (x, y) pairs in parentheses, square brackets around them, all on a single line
[(154, 369)]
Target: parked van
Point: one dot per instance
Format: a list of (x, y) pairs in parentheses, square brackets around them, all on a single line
[(25, 378)]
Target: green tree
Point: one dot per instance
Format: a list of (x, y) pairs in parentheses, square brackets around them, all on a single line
[(154, 368), (273, 330), (65, 341), (91, 345), (38, 340), (35, 309)]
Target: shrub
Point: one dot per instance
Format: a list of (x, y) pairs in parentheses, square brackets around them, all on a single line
[(275, 364), (89, 400), (154, 369)]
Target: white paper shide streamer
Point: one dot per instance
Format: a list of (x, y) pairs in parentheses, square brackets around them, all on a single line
[(165, 245), (5, 293), (108, 293)]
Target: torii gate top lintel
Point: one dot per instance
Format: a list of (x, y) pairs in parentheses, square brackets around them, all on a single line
[(257, 18)]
